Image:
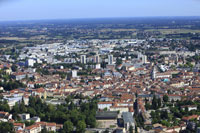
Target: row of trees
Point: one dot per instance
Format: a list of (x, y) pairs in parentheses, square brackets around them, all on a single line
[(74, 116), (156, 102), (7, 82), (6, 127)]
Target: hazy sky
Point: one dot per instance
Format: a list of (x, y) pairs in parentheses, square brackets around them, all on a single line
[(65, 9)]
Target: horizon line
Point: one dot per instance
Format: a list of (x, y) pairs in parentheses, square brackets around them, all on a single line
[(56, 19)]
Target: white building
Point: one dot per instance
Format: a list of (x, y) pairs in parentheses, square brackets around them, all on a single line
[(110, 59), (83, 59), (98, 66), (103, 105), (96, 59), (24, 116), (144, 59), (30, 62), (74, 73)]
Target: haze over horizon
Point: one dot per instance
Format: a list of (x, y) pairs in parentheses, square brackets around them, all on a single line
[(69, 9)]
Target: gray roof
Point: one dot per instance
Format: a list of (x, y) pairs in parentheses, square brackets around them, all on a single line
[(107, 115), (127, 117)]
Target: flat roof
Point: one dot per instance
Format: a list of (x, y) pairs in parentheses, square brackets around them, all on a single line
[(106, 115)]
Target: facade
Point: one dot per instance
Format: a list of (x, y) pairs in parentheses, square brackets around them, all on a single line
[(24, 116), (110, 59), (30, 62), (96, 59), (33, 129), (103, 105), (83, 59), (98, 66), (74, 73)]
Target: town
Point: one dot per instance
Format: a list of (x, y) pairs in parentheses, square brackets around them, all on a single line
[(93, 85)]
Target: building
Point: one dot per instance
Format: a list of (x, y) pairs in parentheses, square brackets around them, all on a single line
[(33, 129), (30, 62), (96, 59), (107, 118), (19, 126), (103, 105), (154, 73), (74, 73), (98, 66), (83, 59), (198, 130), (24, 117), (110, 59), (5, 116), (190, 107), (128, 120), (144, 59)]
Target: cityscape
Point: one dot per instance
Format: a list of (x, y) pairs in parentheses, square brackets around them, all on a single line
[(100, 75)]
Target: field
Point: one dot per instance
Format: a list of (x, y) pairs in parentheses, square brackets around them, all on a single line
[(174, 31)]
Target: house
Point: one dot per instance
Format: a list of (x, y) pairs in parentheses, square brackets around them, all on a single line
[(59, 127), (51, 127), (190, 107), (178, 84), (36, 119), (1, 89), (5, 116), (33, 129), (19, 126), (119, 108), (104, 105), (24, 116), (187, 118), (173, 97), (19, 75)]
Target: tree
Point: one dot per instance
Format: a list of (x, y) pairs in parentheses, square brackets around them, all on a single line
[(147, 106), (118, 61), (4, 106), (165, 98), (154, 102), (136, 131), (68, 126), (80, 128), (131, 129), (6, 127), (159, 102), (22, 107), (14, 68), (44, 130), (29, 123), (90, 120), (106, 131)]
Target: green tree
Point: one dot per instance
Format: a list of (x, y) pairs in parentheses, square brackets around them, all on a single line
[(68, 127), (154, 102), (165, 98), (136, 131), (131, 129), (44, 130), (80, 128), (6, 127), (29, 123), (90, 120)]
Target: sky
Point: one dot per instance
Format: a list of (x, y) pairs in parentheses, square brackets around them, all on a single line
[(69, 9)]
